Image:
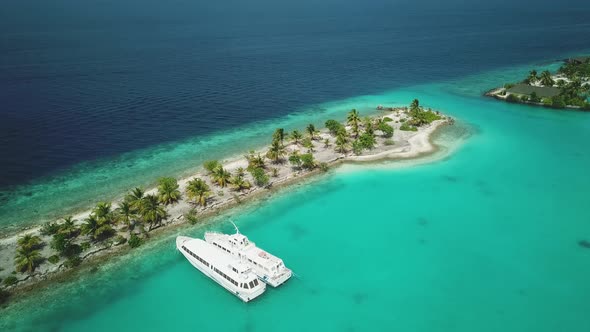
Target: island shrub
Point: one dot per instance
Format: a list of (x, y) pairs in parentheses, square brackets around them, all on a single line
[(367, 141), (534, 97), (307, 161), (387, 119), (512, 98), (191, 217), (524, 98), (558, 102), (72, 262), (211, 165), (120, 239), (220, 193), (260, 177), (10, 280), (389, 142), (386, 129), (85, 245), (4, 295), (49, 228), (406, 127), (402, 120), (295, 160), (547, 101), (357, 147), (324, 167), (334, 127), (508, 85), (53, 259), (135, 241)]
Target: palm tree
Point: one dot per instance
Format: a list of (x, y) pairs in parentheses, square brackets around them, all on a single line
[(152, 212), (240, 171), (532, 76), (126, 213), (221, 176), (415, 104), (279, 135), (27, 259), (68, 227), (255, 161), (168, 192), (198, 190), (239, 183), (310, 129), (546, 78), (341, 143), (276, 152), (353, 120), (134, 198), (296, 137), (29, 241), (90, 225), (326, 143)]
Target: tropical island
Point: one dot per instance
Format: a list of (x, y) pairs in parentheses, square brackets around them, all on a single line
[(47, 251), (569, 87)]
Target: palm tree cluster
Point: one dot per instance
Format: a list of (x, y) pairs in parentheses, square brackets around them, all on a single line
[(28, 254), (139, 209)]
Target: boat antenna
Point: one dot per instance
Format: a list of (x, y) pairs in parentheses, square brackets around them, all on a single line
[(236, 227)]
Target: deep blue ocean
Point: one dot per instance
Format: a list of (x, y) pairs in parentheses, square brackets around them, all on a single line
[(88, 80)]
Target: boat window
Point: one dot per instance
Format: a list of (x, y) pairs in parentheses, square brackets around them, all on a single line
[(251, 283), (255, 282)]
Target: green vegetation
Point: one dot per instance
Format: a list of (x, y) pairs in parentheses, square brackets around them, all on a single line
[(389, 142), (335, 127), (308, 144), (99, 225), (134, 241), (353, 120), (168, 192), (211, 165), (324, 167), (295, 160), (310, 129), (260, 177), (296, 137), (28, 256), (49, 228), (367, 141), (419, 116), (221, 176), (341, 143), (407, 127), (276, 152), (191, 217), (238, 182), (10, 280), (570, 89), (308, 161), (53, 259), (199, 191)]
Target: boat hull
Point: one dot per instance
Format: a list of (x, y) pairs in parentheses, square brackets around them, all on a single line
[(244, 296)]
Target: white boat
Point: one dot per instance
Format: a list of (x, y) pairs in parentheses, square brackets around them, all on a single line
[(267, 267), (227, 270)]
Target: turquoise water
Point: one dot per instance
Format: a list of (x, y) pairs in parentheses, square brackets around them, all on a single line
[(484, 239)]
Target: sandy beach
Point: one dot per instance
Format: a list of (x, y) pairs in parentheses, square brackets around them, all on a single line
[(407, 145)]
